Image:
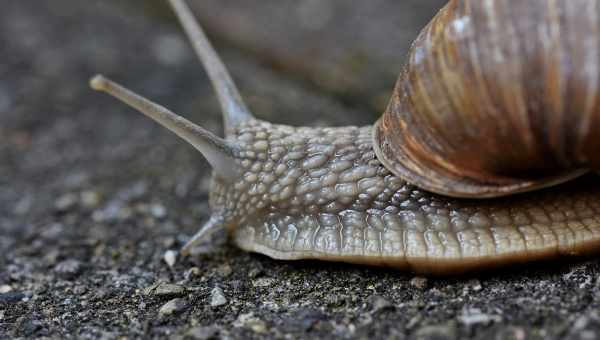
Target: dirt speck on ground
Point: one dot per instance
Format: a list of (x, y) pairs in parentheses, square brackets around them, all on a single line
[(92, 196)]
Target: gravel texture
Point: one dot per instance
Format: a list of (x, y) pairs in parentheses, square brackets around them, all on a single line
[(93, 195)]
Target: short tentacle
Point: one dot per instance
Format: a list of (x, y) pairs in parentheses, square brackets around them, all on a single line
[(214, 224)]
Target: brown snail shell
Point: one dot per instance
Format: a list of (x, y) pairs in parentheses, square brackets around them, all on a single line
[(498, 97)]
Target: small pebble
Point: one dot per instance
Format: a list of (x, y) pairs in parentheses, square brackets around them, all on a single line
[(202, 332), (474, 316), (172, 307), (255, 272), (263, 282), (68, 269), (224, 270), (11, 297), (170, 257), (5, 289), (53, 231), (169, 242), (23, 205), (419, 282), (380, 303), (29, 327), (249, 320), (65, 202), (90, 199), (165, 289), (475, 285), (217, 297), (79, 290), (101, 294), (191, 273), (158, 211), (414, 321)]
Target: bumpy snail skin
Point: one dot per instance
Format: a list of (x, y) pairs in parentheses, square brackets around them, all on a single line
[(320, 193)]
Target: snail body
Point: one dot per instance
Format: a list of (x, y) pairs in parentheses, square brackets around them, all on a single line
[(346, 194), (323, 194)]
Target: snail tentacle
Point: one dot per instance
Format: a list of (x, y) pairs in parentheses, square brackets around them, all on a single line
[(215, 223), (234, 109), (218, 152)]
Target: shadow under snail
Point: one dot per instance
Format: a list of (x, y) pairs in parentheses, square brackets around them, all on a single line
[(497, 102)]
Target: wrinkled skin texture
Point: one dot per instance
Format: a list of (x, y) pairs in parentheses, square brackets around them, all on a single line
[(321, 193)]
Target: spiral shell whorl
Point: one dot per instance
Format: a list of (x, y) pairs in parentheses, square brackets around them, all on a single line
[(498, 97)]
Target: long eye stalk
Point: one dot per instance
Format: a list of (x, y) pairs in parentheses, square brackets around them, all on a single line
[(218, 152), (234, 109)]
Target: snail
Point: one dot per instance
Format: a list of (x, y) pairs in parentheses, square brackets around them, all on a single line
[(496, 104)]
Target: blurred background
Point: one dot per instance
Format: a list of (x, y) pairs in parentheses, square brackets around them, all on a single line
[(346, 50)]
